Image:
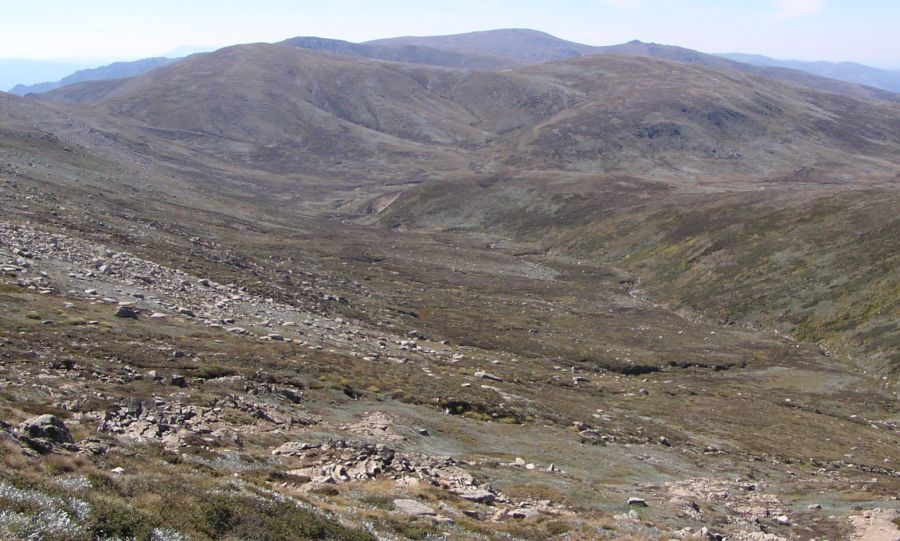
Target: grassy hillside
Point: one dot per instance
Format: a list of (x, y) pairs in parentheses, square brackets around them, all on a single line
[(819, 264)]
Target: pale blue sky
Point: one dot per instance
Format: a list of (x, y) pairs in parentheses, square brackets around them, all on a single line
[(858, 30)]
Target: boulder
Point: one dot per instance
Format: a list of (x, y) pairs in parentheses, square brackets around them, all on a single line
[(478, 495), (487, 375), (126, 312), (413, 507), (523, 513), (44, 431)]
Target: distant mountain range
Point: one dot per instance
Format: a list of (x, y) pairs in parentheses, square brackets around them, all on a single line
[(523, 46), (116, 70), (288, 109), (15, 71), (843, 71), (508, 48)]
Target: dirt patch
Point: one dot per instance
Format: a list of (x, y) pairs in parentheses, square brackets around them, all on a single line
[(876, 525)]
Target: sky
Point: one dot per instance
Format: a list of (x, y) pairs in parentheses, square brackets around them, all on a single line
[(864, 31)]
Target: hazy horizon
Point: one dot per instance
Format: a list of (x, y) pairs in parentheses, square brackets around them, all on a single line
[(105, 31)]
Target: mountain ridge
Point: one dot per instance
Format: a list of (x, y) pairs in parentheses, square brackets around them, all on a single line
[(516, 109), (852, 72), (508, 48), (116, 70), (524, 44)]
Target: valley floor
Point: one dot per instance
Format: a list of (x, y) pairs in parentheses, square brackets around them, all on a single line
[(321, 380)]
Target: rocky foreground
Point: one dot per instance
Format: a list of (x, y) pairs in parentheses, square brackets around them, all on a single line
[(119, 372)]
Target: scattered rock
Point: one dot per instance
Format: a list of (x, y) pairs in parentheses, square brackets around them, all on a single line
[(376, 426), (293, 448)]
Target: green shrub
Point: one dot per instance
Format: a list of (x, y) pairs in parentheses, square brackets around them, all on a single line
[(112, 519), (213, 372)]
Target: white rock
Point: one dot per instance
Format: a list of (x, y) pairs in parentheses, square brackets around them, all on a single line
[(486, 375)]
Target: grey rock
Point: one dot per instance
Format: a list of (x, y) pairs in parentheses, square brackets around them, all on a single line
[(413, 507), (523, 513), (126, 312), (478, 495), (487, 375), (46, 427), (294, 448)]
